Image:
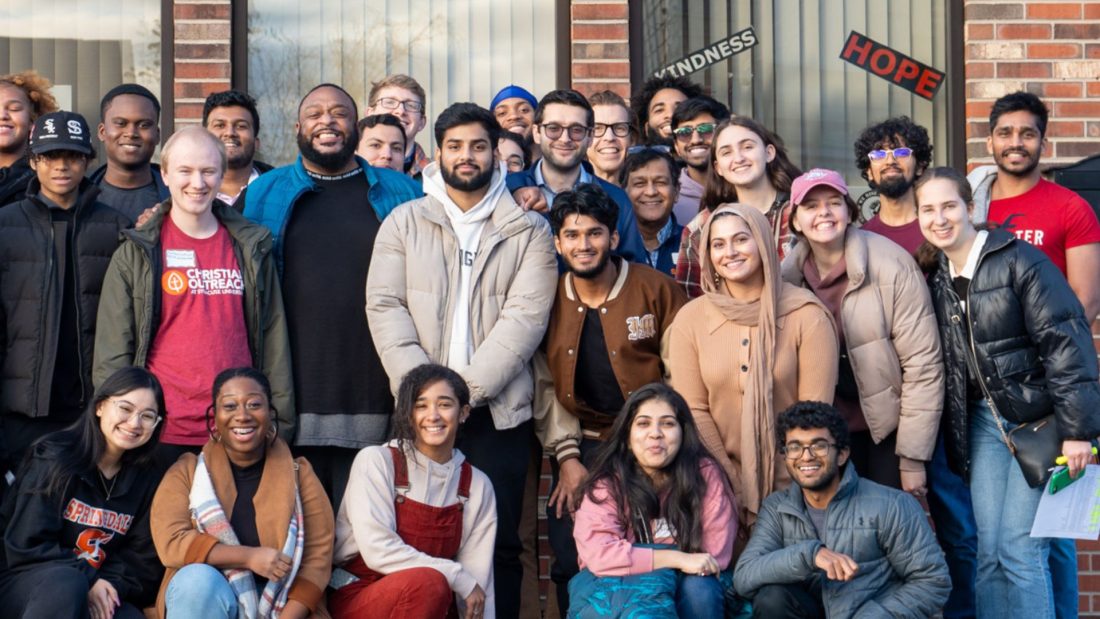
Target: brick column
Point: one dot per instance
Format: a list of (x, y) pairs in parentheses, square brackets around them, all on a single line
[(599, 33), (201, 58)]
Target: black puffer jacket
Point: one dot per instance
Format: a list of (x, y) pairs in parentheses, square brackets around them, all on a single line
[(13, 181), (1031, 344), (30, 294)]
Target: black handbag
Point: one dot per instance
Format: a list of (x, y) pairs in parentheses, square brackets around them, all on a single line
[(1035, 446)]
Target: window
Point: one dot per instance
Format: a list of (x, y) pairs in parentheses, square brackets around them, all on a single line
[(456, 50)]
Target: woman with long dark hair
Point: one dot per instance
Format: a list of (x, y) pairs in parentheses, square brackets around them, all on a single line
[(653, 482), (748, 165), (243, 528), (76, 520)]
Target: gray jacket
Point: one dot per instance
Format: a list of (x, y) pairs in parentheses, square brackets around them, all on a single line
[(981, 181), (901, 573)]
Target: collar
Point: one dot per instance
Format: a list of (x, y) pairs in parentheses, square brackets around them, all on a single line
[(228, 199), (971, 258), (584, 177), (616, 288)]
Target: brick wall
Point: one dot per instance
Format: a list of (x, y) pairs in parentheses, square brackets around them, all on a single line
[(200, 54), (599, 32)]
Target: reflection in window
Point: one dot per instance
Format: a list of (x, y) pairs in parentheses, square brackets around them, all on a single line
[(458, 51)]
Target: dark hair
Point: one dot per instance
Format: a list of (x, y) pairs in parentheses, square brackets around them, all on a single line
[(1020, 101), (807, 415), (928, 254), (565, 96), (232, 98), (80, 446), (458, 114), (127, 89), (412, 385), (643, 157), (242, 372), (697, 106), (354, 107), (640, 101), (586, 199), (886, 133), (781, 172), (636, 499), (520, 141), (373, 120), (853, 214)]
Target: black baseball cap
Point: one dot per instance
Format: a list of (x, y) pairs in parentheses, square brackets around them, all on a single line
[(61, 131)]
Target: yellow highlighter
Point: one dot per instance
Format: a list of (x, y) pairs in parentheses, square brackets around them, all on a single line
[(1061, 478), (1061, 460)]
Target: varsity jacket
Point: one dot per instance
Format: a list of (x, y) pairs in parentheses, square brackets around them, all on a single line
[(635, 318)]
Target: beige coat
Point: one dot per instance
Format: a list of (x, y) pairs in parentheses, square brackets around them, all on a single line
[(892, 339), (414, 274)]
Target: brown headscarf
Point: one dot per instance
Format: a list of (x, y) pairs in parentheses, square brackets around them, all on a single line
[(778, 298)]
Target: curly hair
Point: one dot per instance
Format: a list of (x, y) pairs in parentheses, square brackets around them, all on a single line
[(807, 415), (892, 133), (37, 89), (639, 103), (416, 382)]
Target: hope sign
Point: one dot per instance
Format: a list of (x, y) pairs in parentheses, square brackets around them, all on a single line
[(892, 65)]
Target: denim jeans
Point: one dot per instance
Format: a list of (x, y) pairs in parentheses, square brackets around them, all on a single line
[(1013, 579), (699, 597), (200, 590), (953, 515), (1063, 574)]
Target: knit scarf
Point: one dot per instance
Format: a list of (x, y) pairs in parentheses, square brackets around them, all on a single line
[(777, 299), (210, 518)]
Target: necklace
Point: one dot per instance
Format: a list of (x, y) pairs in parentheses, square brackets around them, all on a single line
[(103, 481)]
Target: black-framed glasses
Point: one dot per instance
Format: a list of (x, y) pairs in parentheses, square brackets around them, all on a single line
[(683, 134), (125, 411), (575, 132), (882, 153), (795, 450), (410, 105), (619, 129)]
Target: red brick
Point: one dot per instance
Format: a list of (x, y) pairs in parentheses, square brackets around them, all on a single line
[(202, 32), (600, 11), (1092, 10), (1092, 50), (584, 70), (978, 129), (1092, 129), (1024, 31), (1023, 69), (1088, 582), (1065, 129), (1093, 89), (1086, 109), (993, 11), (203, 70), (1054, 50), (199, 90), (599, 32), (1076, 150), (1089, 32), (976, 150), (979, 31), (1063, 10), (201, 11), (620, 88), (978, 109), (595, 51), (188, 110), (1063, 90), (201, 51), (979, 70)]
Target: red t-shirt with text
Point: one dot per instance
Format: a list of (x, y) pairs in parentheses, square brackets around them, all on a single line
[(202, 329), (1049, 217)]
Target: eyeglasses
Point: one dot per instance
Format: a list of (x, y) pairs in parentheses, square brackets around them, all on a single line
[(619, 129), (125, 411), (642, 148), (683, 134), (795, 450), (882, 153), (576, 132), (389, 103)]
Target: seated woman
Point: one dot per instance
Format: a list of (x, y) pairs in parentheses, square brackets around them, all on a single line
[(244, 528), (654, 482), (76, 521), (418, 522)]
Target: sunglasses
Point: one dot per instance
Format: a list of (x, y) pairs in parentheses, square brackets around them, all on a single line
[(683, 134), (898, 153)]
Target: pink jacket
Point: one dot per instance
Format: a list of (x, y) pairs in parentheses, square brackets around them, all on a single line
[(605, 547)]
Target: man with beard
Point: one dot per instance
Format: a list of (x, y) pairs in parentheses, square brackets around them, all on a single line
[(891, 155), (129, 182), (464, 278), (324, 211), (564, 123), (23, 98), (604, 341), (1015, 196), (232, 117), (693, 128), (880, 559)]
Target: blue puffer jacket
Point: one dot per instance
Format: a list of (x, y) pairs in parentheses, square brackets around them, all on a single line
[(270, 199), (901, 573)]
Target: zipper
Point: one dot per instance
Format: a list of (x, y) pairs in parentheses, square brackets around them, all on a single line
[(45, 296), (76, 303), (978, 374)]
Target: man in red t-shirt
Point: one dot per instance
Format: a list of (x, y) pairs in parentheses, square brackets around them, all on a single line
[(1016, 197)]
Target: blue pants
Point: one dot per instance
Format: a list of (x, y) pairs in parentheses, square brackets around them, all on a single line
[(952, 513), (200, 590)]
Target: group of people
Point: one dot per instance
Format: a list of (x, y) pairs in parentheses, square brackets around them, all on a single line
[(237, 390)]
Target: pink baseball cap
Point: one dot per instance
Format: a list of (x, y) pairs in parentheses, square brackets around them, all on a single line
[(815, 178)]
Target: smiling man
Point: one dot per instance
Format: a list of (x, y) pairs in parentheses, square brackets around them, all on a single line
[(612, 135), (324, 211), (891, 155), (833, 544), (650, 179), (382, 141), (403, 98), (129, 182), (231, 116), (693, 126)]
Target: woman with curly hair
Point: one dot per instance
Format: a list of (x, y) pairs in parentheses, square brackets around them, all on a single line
[(24, 97)]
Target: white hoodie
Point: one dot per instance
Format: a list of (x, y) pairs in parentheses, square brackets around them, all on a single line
[(467, 227)]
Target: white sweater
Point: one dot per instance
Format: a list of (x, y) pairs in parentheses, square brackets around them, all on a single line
[(367, 524)]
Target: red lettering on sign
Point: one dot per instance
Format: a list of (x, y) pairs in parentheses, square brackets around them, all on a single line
[(892, 65), (856, 45), (907, 70), (876, 66), (927, 84)]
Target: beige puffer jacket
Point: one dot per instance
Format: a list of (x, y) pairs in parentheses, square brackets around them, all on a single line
[(892, 340)]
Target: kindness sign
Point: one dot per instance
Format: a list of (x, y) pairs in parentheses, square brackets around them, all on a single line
[(892, 66), (712, 54)]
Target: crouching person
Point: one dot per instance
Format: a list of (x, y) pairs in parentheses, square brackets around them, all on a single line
[(654, 499), (833, 544), (416, 528), (243, 528)]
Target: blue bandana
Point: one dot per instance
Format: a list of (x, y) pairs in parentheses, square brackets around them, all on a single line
[(512, 91)]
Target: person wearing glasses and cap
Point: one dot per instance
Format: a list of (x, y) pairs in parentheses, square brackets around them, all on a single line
[(55, 245), (835, 545), (693, 128), (402, 96)]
